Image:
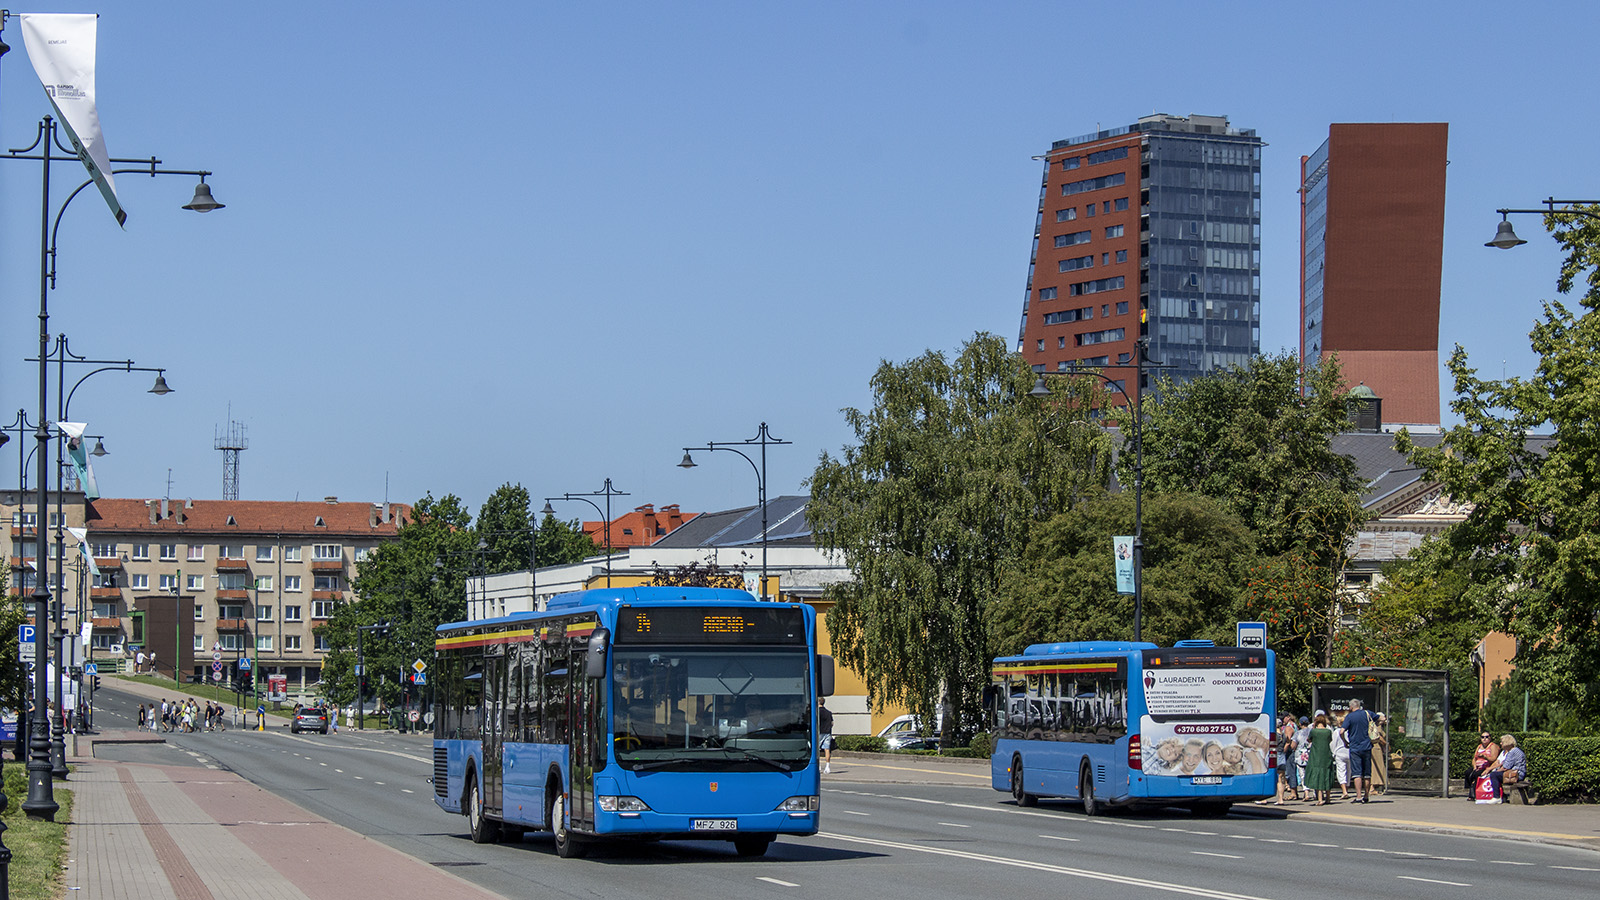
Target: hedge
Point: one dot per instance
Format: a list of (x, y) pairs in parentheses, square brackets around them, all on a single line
[(982, 746), (1563, 770)]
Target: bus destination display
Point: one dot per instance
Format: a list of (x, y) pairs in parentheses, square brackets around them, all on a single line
[(710, 625)]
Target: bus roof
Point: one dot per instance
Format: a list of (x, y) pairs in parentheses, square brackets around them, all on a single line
[(577, 601), (1070, 648)]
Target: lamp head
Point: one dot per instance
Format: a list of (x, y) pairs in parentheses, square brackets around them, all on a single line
[(688, 461), (1040, 389), (1504, 237), (548, 510), (99, 448), (160, 387), (203, 202)]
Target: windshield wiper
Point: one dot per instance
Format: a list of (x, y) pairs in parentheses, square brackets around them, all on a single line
[(756, 757), (664, 763)]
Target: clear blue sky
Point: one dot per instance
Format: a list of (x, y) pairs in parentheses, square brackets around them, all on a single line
[(467, 244)]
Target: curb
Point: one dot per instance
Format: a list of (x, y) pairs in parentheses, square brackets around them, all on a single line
[(1504, 834)]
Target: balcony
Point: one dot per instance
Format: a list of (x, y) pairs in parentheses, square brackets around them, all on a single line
[(21, 562), (108, 562), (233, 624), (327, 565), (327, 595), (105, 593), (107, 623), (240, 594), (232, 565)]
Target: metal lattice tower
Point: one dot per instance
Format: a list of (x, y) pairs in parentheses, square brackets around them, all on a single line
[(230, 443)]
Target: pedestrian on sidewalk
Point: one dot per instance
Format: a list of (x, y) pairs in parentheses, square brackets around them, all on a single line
[(1341, 759), (142, 717), (1319, 762), (825, 742), (1379, 733), (1288, 784), (1483, 758), (1358, 733), (1512, 766), (333, 718)]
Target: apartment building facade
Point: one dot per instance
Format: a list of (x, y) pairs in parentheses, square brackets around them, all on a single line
[(1149, 230), (205, 582)]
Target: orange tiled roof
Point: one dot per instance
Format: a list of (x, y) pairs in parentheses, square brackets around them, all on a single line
[(640, 528), (248, 517)]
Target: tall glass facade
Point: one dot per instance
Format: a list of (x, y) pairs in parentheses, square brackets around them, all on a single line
[(1313, 249), (1201, 243)]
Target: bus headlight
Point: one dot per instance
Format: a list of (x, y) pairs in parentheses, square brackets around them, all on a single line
[(621, 804), (801, 804)]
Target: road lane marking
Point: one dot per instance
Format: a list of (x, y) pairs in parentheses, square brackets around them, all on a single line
[(1576, 868), (407, 791), (1510, 862), (985, 776), (776, 881), (851, 812), (954, 825), (1366, 850), (1057, 837), (1435, 881), (1308, 844), (1463, 829), (1043, 867), (1223, 855)]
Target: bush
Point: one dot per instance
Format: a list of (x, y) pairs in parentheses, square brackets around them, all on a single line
[(983, 744), (1562, 769), (861, 743)]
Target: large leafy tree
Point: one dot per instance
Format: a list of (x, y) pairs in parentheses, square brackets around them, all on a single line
[(1531, 536), (561, 542), (1064, 587), (953, 465), (414, 584), (505, 527)]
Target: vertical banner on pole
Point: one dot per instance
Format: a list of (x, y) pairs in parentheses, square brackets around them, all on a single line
[(1122, 547), (62, 49)]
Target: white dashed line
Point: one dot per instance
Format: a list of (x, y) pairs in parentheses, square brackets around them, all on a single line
[(1435, 881), (954, 825), (1223, 855), (777, 882), (1576, 868), (407, 791), (1510, 862), (851, 812), (1057, 837)]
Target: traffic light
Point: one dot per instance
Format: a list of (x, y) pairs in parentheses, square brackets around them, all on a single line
[(97, 682)]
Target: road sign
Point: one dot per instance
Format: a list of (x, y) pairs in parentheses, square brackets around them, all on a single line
[(419, 666), (414, 715), (420, 678), (358, 668), (216, 667), (1252, 635), (25, 645), (244, 663), (91, 669)]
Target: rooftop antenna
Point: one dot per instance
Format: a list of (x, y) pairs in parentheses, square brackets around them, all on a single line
[(169, 483), (231, 443)]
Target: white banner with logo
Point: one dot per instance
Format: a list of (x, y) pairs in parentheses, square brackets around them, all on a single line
[(62, 48)]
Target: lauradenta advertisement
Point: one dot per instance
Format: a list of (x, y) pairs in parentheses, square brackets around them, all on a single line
[(1178, 743)]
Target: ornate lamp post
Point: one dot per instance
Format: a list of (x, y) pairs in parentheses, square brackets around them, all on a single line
[(763, 439), (1505, 238), (607, 492)]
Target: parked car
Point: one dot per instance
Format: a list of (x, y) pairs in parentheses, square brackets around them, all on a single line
[(905, 733), (309, 718)]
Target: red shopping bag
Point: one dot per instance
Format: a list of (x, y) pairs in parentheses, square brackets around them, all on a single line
[(1483, 791)]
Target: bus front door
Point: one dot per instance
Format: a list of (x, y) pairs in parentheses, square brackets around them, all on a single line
[(585, 706)]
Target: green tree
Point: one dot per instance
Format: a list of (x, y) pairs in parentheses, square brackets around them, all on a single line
[(1064, 587), (1531, 534), (953, 466), (1259, 438), (13, 673), (505, 525), (415, 583), (562, 542)]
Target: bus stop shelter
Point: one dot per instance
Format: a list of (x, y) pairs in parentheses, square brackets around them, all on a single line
[(1417, 704)]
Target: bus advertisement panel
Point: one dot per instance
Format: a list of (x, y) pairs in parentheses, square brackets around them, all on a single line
[(650, 713)]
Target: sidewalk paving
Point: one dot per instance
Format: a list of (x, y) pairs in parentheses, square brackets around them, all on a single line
[(148, 831), (1569, 824)]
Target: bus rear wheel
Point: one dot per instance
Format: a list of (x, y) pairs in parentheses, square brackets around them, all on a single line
[(1212, 810), (484, 831), (1017, 785), (1091, 804), (751, 844), (567, 847)]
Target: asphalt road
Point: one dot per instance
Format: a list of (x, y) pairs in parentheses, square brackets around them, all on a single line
[(889, 840)]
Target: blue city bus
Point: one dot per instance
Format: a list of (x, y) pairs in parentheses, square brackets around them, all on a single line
[(647, 713), (1132, 724)]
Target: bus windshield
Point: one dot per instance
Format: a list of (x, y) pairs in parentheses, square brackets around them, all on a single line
[(708, 709)]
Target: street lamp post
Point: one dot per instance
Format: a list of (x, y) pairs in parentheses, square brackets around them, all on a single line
[(1505, 238), (763, 439), (607, 492), (1136, 402), (378, 628), (41, 803)]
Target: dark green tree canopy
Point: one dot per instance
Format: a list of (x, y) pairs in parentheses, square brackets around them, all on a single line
[(563, 542), (505, 525), (953, 466), (1532, 537)]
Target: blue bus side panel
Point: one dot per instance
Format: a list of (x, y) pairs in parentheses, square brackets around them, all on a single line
[(459, 754), (527, 769), (1050, 768)]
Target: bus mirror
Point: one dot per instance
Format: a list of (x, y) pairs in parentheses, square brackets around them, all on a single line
[(594, 660), (824, 675)]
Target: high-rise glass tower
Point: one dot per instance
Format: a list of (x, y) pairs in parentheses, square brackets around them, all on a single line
[(1151, 229)]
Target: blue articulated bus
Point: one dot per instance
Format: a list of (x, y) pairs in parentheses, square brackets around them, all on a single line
[(646, 713), (1133, 724)]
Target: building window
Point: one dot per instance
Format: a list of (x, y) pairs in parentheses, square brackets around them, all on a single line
[(1077, 262), (291, 613), (1100, 156), (24, 519), (1105, 310), (103, 551), (321, 644), (361, 553), (169, 552), (1067, 215), (231, 551), (197, 553), (169, 584), (331, 582), (291, 643), (291, 554), (1105, 259), (140, 582), (1071, 162), (196, 582), (321, 609), (263, 612), (1101, 337), (1041, 344), (1076, 237), (1048, 293), (199, 612), (1102, 284), (1124, 358), (1069, 315), (1115, 231), (1094, 362), (1094, 184), (1122, 310), (291, 583), (1089, 210), (264, 553), (327, 551), (1120, 204), (141, 551), (263, 582), (199, 643), (233, 581), (1061, 342), (1122, 256), (230, 641), (230, 611), (263, 643)]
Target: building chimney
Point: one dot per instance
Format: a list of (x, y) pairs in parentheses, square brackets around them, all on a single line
[(1364, 408), (163, 507), (386, 512), (154, 511), (330, 499), (647, 513), (372, 517)]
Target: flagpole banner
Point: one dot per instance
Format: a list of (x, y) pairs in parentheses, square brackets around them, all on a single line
[(62, 48), (78, 455), (1122, 549)]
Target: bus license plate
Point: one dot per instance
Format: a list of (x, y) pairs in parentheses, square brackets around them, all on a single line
[(716, 824), (1207, 779)]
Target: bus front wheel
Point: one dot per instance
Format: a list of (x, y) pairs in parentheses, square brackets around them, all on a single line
[(751, 845), (567, 847), (1017, 785), (483, 830)]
